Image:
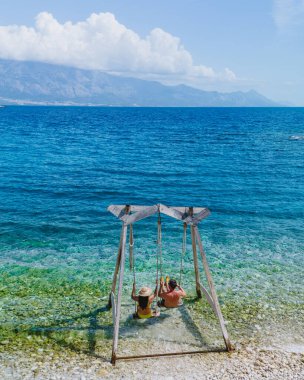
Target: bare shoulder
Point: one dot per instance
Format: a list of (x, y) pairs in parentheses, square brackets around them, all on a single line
[(163, 294)]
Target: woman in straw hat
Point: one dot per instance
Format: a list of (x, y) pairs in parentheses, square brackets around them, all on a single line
[(144, 299)]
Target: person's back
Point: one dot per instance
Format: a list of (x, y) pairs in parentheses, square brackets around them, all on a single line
[(144, 306), (172, 294), (144, 301)]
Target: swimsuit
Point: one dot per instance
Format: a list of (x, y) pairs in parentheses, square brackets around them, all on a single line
[(144, 313)]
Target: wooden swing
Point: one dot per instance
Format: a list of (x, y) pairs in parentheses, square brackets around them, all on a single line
[(129, 214), (159, 257)]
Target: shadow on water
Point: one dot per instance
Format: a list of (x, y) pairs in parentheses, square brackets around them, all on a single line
[(92, 328), (175, 326), (134, 325), (190, 325), (127, 329)]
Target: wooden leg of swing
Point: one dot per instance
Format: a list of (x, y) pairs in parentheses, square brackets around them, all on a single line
[(118, 306), (116, 269), (195, 261), (212, 290)]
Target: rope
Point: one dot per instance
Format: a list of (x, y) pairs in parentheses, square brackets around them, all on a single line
[(159, 258), (183, 253), (132, 258), (159, 242), (131, 245)]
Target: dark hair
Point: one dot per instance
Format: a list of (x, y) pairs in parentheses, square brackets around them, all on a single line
[(172, 283), (143, 301)]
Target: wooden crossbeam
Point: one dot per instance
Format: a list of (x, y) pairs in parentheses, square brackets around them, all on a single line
[(170, 211), (182, 209), (185, 210), (130, 214), (132, 208), (148, 211), (168, 354), (201, 215), (117, 210)]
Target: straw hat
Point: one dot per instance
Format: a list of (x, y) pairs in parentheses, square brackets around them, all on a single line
[(145, 292)]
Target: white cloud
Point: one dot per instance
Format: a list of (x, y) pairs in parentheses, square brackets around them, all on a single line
[(102, 43), (288, 12)]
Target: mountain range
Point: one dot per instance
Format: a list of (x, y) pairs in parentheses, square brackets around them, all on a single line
[(48, 84)]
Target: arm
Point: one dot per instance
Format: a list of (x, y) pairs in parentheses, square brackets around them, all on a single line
[(162, 288), (151, 298), (182, 292), (167, 284)]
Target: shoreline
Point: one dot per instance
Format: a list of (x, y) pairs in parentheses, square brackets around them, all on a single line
[(83, 352), (51, 335), (245, 363), (78, 346)]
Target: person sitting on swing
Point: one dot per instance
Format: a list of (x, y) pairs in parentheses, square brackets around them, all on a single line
[(144, 299), (171, 293)]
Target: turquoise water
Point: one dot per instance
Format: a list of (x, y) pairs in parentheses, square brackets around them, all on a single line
[(61, 168)]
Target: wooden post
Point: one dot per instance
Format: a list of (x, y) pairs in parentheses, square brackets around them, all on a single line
[(212, 290), (121, 275), (117, 265), (116, 269), (195, 260), (113, 303)]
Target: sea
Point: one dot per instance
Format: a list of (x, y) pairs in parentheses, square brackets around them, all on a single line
[(61, 167)]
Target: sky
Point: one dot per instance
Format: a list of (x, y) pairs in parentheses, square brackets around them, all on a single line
[(214, 45)]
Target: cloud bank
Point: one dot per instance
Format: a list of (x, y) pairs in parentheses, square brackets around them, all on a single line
[(102, 43), (288, 12)]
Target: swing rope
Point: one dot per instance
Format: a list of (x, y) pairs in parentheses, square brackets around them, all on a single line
[(131, 254), (159, 257), (159, 243), (184, 246), (132, 258)]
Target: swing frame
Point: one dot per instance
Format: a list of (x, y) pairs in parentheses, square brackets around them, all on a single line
[(128, 215)]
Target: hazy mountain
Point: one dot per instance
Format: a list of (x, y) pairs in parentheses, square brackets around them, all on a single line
[(40, 83)]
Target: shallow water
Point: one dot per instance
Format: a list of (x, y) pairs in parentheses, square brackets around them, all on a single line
[(61, 168)]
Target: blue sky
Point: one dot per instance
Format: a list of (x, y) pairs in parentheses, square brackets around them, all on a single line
[(214, 45)]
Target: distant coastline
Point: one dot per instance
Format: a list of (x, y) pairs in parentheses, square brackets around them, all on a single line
[(33, 83), (20, 103)]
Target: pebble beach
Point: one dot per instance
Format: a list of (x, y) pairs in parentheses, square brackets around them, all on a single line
[(246, 363)]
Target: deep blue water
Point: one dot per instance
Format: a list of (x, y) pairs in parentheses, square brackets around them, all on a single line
[(61, 167)]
